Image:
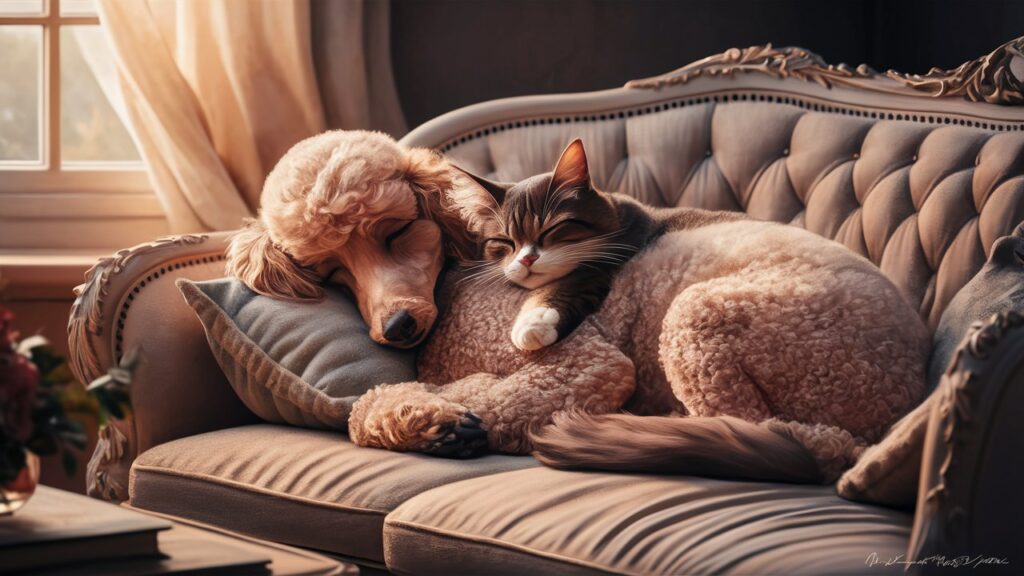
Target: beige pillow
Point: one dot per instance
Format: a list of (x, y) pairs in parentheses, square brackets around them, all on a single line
[(888, 472)]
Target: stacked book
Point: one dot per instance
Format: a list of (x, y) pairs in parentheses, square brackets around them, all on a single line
[(63, 533)]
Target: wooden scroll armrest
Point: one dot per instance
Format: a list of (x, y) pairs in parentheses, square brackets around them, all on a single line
[(970, 498), (129, 301)]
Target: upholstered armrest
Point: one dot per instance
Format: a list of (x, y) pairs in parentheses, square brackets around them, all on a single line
[(969, 501), (130, 301)]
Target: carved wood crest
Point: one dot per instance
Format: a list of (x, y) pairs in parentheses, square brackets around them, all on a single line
[(996, 78), (991, 78), (786, 62)]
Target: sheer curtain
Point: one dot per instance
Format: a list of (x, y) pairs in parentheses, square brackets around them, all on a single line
[(217, 90)]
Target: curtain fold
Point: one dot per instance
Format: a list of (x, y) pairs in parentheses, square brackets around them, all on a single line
[(218, 90), (357, 86)]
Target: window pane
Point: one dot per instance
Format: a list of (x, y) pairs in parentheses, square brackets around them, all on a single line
[(92, 112), (21, 70), (77, 8), (21, 7)]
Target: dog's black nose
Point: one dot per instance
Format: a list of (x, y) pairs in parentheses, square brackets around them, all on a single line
[(401, 327)]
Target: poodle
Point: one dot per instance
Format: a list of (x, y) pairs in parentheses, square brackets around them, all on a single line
[(355, 208), (788, 352)]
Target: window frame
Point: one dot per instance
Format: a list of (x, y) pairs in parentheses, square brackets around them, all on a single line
[(59, 195)]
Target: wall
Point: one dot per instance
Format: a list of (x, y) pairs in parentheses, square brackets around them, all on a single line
[(450, 53)]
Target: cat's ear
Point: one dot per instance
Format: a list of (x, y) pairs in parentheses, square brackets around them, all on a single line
[(571, 171), (495, 189), (476, 199)]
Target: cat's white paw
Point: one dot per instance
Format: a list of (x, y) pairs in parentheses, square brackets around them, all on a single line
[(535, 328)]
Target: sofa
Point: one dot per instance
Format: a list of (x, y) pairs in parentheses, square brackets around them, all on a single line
[(920, 174)]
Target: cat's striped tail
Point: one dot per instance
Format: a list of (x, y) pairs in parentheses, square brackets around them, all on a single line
[(721, 447)]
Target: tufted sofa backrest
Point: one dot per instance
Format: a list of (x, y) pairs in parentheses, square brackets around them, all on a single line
[(921, 193)]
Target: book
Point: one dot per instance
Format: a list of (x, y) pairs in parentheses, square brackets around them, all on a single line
[(182, 556), (58, 528)]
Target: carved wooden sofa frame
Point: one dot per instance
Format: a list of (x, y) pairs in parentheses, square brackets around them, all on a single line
[(972, 469)]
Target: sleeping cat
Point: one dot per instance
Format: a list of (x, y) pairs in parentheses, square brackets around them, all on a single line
[(556, 235)]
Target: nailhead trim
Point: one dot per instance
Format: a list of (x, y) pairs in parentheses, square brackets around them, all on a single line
[(811, 105), (157, 273)]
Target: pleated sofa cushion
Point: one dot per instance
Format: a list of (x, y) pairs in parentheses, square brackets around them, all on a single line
[(309, 488), (545, 521)]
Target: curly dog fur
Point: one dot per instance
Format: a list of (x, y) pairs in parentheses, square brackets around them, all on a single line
[(788, 351)]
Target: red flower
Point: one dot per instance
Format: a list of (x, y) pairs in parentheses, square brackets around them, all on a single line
[(18, 381)]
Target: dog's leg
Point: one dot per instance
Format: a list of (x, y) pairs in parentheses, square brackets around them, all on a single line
[(411, 417), (796, 343), (705, 344), (583, 373)]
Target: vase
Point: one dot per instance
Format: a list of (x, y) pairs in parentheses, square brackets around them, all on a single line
[(16, 493)]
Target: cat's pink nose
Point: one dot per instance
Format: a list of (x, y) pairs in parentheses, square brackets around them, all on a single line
[(528, 260)]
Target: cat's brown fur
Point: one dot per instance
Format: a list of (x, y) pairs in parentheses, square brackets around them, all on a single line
[(559, 236)]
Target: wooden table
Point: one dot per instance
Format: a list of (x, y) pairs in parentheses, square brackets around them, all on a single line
[(284, 560), (187, 546)]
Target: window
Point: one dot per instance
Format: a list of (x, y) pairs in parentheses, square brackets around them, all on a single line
[(66, 153)]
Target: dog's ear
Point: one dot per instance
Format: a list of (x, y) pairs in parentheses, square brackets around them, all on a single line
[(435, 182), (265, 268)]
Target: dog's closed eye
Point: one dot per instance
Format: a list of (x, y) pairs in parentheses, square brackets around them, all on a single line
[(394, 235)]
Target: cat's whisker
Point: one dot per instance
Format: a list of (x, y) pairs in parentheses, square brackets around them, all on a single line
[(476, 267), (592, 257), (592, 254), (484, 275), (496, 280), (495, 272)]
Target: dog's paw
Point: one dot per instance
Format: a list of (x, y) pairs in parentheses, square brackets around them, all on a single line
[(535, 328), (407, 418), (466, 438)]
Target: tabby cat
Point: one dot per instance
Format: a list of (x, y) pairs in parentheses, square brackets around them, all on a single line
[(557, 235)]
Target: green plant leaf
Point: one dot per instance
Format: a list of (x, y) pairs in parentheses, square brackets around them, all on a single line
[(70, 463)]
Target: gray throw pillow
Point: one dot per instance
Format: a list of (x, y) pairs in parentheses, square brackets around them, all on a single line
[(997, 287), (301, 363)]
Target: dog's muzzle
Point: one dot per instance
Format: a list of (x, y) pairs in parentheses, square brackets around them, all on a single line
[(401, 328)]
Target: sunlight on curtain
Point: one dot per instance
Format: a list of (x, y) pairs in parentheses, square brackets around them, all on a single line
[(94, 119), (216, 91)]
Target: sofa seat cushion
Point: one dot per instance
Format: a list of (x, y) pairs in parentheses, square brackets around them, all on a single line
[(545, 521), (309, 488)]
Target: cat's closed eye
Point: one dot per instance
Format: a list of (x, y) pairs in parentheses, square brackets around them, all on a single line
[(566, 231), (495, 248)]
